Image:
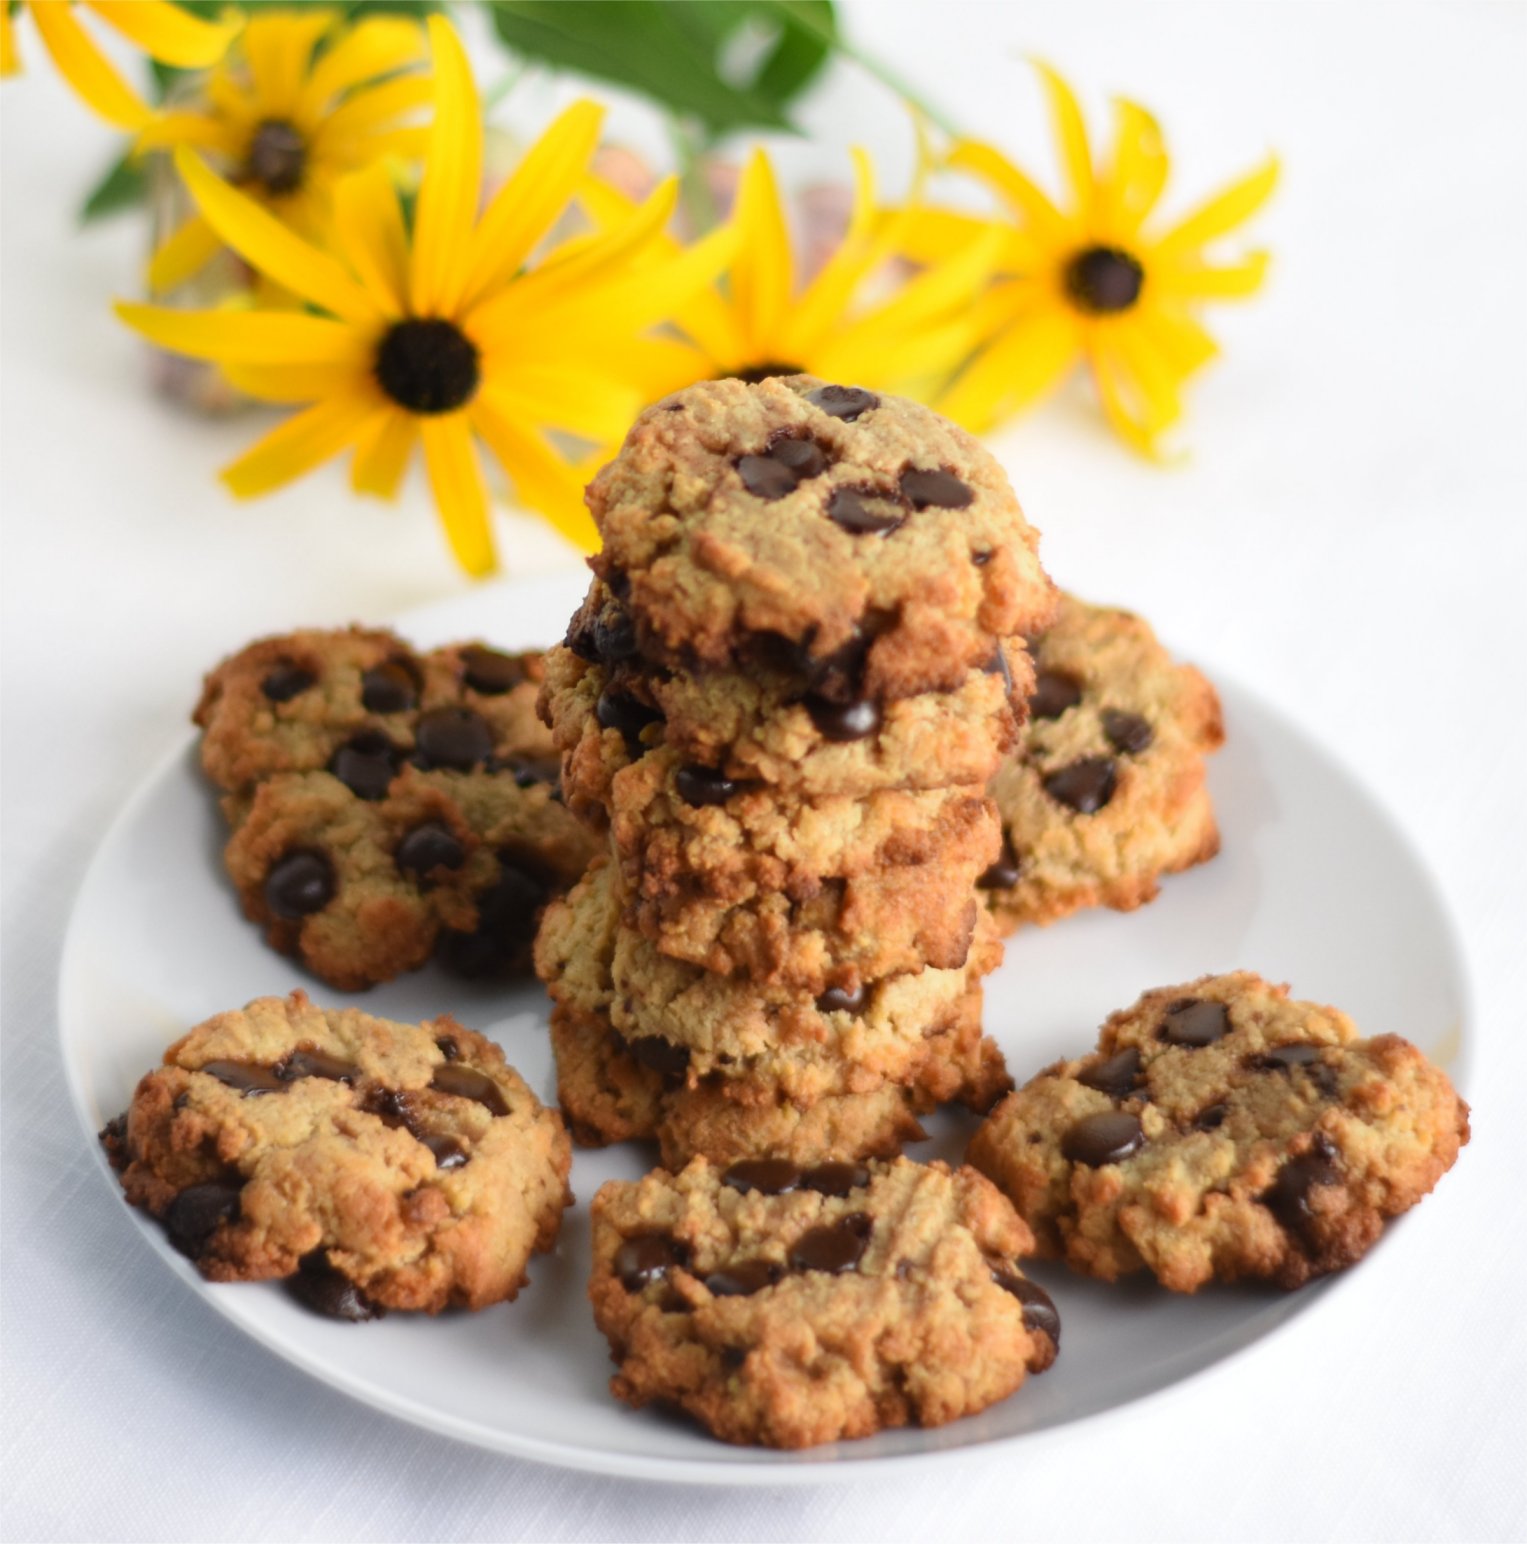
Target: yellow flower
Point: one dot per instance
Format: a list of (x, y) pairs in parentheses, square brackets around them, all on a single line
[(445, 335), (1093, 283), (761, 325), (163, 31), (286, 118)]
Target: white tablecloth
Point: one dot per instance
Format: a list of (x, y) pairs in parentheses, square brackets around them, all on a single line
[(1347, 539)]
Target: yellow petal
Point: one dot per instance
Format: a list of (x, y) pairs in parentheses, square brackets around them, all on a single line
[(931, 235), (303, 442), (524, 209), (653, 367), (87, 69), (542, 480), (1208, 281), (940, 290), (587, 402), (367, 111), (187, 251), (375, 46), (10, 59), (278, 45), (1221, 213), (763, 275), (166, 32), (1184, 342), (368, 232), (820, 308), (287, 383), (1026, 198), (1136, 174), (380, 461), (166, 128), (1015, 370), (461, 496), (252, 337), (270, 246), (1071, 130), (452, 180), (1150, 373), (909, 362)]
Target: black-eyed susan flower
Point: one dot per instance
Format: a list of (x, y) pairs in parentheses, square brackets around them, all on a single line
[(445, 334), (162, 31), (1094, 282), (848, 323), (300, 102)]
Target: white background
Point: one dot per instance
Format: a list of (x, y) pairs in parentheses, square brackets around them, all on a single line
[(1349, 539)]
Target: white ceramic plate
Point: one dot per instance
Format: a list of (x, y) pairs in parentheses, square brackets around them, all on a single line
[(1315, 887)]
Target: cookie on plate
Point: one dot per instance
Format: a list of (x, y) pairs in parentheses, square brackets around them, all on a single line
[(790, 1306), (798, 524), (1221, 1130), (1105, 791), (370, 1164)]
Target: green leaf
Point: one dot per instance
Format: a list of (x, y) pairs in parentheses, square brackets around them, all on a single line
[(124, 184), (672, 53)]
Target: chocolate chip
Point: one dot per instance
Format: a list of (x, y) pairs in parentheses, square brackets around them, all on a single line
[(1195, 1022), (616, 710), (983, 557), (614, 636), (1128, 733), (490, 672), (934, 489), (769, 1176), (839, 999), (835, 1247), (842, 722), (250, 1078), (286, 681), (846, 402), (1107, 1138), (318, 1286), (805, 458), (367, 764), (308, 1063), (197, 1213), (391, 1106), (647, 1258), (835, 1179), (1004, 873), (1289, 1196), (507, 912), (299, 884), (1212, 1118), (1086, 785), (454, 738), (744, 1278), (846, 508), (448, 1152), (733, 1357), (448, 1048), (1116, 1077), (660, 1055), (1285, 1058), (1054, 692), (1039, 1311), (392, 687), (579, 637), (708, 785), (427, 847), (766, 478), (469, 1083), (113, 1137)]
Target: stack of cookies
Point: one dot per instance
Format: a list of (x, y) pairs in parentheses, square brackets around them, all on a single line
[(782, 701)]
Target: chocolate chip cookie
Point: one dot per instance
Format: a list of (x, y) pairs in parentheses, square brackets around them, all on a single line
[(1221, 1130), (788, 1306), (767, 523), (1105, 792), (370, 1165)]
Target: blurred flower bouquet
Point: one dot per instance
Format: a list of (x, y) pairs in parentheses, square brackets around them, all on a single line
[(326, 242)]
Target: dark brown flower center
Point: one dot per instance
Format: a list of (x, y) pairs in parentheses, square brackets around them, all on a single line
[(277, 157), (427, 365), (1104, 279), (756, 373)]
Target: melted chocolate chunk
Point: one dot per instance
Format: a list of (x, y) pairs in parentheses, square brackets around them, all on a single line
[(616, 710), (308, 1063), (842, 722), (197, 1213), (1118, 1076), (427, 847), (769, 1176), (1128, 733), (1039, 1312), (367, 764), (805, 458), (744, 1278), (647, 1258), (299, 884), (1291, 1192), (1054, 692), (1195, 1022), (456, 739), (469, 1083), (934, 490), (1004, 873), (507, 912), (1085, 786), (448, 1048), (447, 1151), (490, 672), (286, 681), (782, 468), (660, 1055), (835, 1247), (699, 785), (394, 1108), (391, 687), (849, 403), (838, 999), (1212, 1118), (1285, 1058), (846, 508), (1107, 1138), (250, 1078), (318, 1286), (835, 1179)]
